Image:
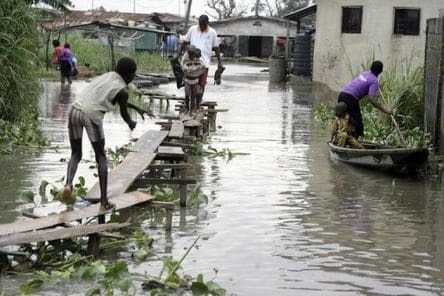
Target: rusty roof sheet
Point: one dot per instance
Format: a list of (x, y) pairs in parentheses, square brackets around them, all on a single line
[(80, 17)]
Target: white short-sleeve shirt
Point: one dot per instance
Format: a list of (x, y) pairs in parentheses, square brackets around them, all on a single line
[(205, 41)]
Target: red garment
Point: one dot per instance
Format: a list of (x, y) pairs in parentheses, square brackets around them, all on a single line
[(57, 55)]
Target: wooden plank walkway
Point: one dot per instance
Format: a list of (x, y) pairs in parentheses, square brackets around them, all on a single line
[(56, 233), (170, 152), (134, 164), (121, 177), (122, 201), (177, 129), (149, 141)]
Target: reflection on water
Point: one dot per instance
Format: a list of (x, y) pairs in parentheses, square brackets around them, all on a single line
[(282, 220)]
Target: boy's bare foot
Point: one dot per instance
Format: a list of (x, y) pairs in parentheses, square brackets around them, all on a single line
[(107, 206), (66, 194)]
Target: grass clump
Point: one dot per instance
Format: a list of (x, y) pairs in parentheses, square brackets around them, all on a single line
[(97, 56), (19, 91), (402, 91)]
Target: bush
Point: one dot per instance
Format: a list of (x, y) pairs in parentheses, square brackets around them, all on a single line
[(18, 34)]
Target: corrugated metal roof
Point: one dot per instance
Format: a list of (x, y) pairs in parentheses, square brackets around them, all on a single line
[(300, 13), (80, 17), (253, 17)]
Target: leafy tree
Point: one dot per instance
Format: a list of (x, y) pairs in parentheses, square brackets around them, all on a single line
[(225, 9), (292, 5), (62, 5), (279, 7)]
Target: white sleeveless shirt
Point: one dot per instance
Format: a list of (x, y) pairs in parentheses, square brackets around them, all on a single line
[(95, 100)]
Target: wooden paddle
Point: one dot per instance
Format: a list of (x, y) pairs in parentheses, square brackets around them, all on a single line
[(399, 131)]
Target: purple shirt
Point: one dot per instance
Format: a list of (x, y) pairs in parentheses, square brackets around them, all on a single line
[(365, 84), (67, 55)]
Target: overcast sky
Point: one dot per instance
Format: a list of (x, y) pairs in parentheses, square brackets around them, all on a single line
[(146, 6)]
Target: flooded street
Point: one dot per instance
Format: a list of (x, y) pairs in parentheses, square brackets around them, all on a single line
[(282, 219)]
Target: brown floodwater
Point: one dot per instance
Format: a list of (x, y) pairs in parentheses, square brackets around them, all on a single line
[(281, 220)]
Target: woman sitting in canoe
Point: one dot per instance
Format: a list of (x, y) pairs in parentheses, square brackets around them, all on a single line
[(365, 84)]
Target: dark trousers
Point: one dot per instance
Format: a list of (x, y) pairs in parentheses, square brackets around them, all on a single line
[(354, 111)]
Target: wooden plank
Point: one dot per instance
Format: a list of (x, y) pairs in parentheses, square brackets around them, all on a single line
[(149, 141), (177, 129), (215, 110), (209, 103), (184, 117), (56, 233), (170, 151), (111, 235), (122, 201), (177, 166), (199, 115), (182, 145), (143, 182), (192, 123), (168, 116), (122, 176), (161, 205)]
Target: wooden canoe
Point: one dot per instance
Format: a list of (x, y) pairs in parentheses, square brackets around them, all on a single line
[(403, 160)]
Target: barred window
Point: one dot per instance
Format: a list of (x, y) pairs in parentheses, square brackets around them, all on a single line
[(407, 21), (351, 19)]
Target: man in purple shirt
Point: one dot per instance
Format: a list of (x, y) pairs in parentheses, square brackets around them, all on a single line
[(365, 84)]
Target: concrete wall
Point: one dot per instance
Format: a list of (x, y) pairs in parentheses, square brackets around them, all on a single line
[(250, 26), (336, 55)]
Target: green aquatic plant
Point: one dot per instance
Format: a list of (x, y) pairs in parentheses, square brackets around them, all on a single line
[(55, 192), (115, 157), (162, 193), (196, 197), (111, 277), (23, 132), (175, 281), (213, 152), (201, 287), (323, 113), (143, 245)]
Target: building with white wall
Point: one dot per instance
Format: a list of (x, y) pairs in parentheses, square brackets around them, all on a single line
[(350, 33)]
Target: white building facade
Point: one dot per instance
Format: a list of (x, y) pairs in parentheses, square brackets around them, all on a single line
[(350, 33)]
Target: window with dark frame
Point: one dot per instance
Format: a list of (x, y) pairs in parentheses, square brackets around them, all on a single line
[(407, 21), (352, 19)]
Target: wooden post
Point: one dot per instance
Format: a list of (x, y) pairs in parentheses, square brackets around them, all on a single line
[(111, 51), (212, 118), (433, 82), (182, 190), (187, 15), (287, 43), (4, 263), (93, 247), (47, 50), (168, 219)]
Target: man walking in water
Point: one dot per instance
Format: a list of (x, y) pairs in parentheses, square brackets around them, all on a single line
[(204, 38)]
